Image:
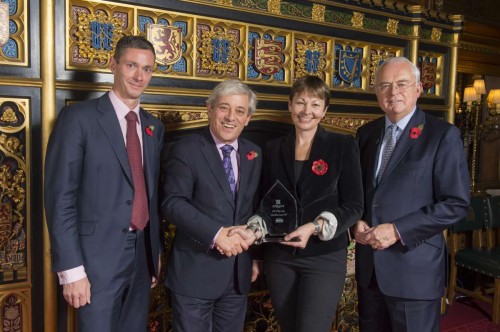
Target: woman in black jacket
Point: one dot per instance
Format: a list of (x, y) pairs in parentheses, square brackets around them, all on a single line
[(306, 272)]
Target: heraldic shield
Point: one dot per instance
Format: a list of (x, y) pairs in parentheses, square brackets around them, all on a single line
[(167, 42), (349, 65), (268, 56)]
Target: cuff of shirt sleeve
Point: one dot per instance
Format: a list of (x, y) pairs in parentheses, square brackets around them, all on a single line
[(399, 235), (71, 275), (215, 238), (257, 220), (329, 225)]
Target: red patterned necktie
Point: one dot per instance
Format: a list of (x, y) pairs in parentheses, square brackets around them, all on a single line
[(140, 213)]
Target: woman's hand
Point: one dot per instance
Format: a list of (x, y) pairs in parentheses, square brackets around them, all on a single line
[(299, 237)]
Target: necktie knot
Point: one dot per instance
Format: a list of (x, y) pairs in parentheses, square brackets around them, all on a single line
[(131, 117), (226, 150)]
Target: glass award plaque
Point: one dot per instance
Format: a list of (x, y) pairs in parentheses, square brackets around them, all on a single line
[(278, 208)]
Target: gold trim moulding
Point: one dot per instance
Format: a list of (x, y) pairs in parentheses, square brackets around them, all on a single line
[(19, 81), (17, 286)]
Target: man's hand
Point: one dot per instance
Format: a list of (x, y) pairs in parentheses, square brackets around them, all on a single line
[(247, 235), (154, 280), (301, 234), (77, 293), (256, 269), (230, 245), (382, 236), (360, 231)]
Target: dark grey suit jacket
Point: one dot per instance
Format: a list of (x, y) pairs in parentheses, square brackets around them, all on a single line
[(424, 190), (89, 188), (197, 199)]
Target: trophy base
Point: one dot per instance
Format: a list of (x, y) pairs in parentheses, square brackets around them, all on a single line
[(270, 238)]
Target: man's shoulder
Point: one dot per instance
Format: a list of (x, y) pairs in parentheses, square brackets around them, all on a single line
[(249, 144), (372, 125)]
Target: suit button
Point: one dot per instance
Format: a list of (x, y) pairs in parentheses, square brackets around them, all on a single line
[(125, 230), (375, 205), (129, 202)]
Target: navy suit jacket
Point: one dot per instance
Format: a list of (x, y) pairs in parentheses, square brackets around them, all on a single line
[(423, 191), (89, 188), (197, 199)]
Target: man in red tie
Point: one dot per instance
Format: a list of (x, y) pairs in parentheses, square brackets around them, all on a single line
[(101, 183)]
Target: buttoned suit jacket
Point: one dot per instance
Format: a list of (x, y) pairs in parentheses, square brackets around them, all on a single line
[(423, 191), (89, 189), (197, 199)]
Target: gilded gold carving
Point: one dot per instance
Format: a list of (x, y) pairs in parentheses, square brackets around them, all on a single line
[(357, 20), (436, 35), (318, 12), (225, 2), (274, 7), (376, 58), (84, 34), (207, 51), (392, 26), (13, 195), (301, 58), (8, 115), (345, 123)]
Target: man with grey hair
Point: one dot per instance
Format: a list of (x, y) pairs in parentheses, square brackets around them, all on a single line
[(210, 186), (416, 185)]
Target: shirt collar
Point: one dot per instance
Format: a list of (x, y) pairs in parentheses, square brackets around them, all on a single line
[(120, 108), (219, 144), (401, 124)]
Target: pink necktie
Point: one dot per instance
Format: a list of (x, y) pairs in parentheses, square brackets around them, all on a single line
[(140, 213)]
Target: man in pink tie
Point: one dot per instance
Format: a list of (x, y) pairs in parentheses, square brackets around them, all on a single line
[(101, 182)]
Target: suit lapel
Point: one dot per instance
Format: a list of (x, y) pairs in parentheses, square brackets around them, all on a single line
[(111, 128), (244, 170), (403, 143), (288, 158), (148, 149), (214, 161), (374, 146), (319, 150)]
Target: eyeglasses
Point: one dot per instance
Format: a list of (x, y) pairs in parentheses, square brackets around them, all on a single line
[(401, 86)]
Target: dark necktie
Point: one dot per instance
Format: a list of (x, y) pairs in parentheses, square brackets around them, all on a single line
[(228, 167), (390, 143), (140, 213)]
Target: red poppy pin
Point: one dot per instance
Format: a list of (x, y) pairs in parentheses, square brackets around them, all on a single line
[(416, 131), (252, 155), (149, 130), (319, 167)]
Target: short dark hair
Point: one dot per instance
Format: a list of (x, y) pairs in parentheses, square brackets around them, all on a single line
[(313, 85), (132, 42)]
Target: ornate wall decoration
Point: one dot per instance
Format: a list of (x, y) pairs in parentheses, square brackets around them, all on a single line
[(14, 36), (379, 54), (348, 65), (392, 26), (269, 55), (182, 63), (313, 56), (15, 311), (431, 72), (345, 123), (93, 31), (14, 195), (318, 13), (357, 20), (220, 48), (274, 6), (436, 35), (4, 23)]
